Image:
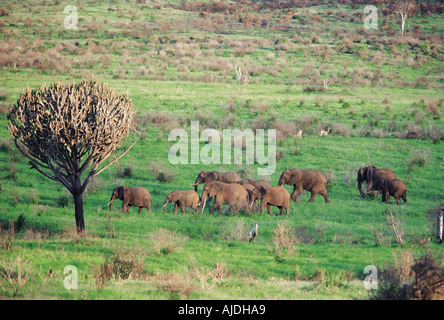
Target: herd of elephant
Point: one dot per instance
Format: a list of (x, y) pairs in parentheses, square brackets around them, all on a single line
[(228, 188)]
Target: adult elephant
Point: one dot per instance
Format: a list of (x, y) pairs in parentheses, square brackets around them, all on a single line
[(183, 199), (272, 196), (370, 174), (255, 183), (233, 194), (210, 176), (308, 179), (138, 197)]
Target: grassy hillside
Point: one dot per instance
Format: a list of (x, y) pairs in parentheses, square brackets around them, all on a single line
[(302, 67)]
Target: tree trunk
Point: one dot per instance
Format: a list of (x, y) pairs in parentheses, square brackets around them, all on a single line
[(78, 205), (403, 18)]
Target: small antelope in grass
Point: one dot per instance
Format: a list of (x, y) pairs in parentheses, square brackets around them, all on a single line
[(299, 134), (323, 132)]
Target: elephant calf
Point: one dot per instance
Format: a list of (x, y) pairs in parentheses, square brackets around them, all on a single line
[(138, 197), (271, 196), (393, 187), (183, 199)]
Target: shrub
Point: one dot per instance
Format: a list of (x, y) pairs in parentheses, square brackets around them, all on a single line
[(422, 280), (330, 177), (432, 108), (161, 172), (13, 275), (283, 242), (63, 201), (341, 129), (176, 285), (418, 158), (166, 241), (126, 173), (436, 134), (6, 237)]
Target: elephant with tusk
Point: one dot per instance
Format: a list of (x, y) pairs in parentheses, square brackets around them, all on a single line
[(210, 176), (183, 199), (232, 194)]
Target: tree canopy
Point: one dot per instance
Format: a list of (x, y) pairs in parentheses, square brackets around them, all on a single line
[(64, 129)]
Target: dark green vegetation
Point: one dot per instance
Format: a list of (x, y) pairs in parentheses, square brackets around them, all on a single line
[(176, 61)]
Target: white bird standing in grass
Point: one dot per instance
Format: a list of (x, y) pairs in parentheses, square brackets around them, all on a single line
[(253, 232)]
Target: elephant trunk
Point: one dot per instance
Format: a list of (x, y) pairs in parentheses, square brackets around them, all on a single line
[(195, 186), (164, 205), (111, 202)]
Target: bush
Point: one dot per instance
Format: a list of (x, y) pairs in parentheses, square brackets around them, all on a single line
[(341, 129), (166, 241), (423, 280), (418, 158), (161, 172), (13, 275), (63, 201), (283, 242)]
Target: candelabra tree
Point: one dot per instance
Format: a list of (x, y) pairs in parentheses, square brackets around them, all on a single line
[(68, 130)]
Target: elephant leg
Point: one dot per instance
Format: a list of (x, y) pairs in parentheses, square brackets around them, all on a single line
[(176, 206), (312, 196), (269, 210), (295, 194), (280, 210), (214, 207), (182, 207), (140, 209), (325, 195)]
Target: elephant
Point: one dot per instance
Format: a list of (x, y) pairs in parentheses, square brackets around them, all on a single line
[(138, 197), (272, 196), (209, 176), (255, 183), (249, 188), (308, 179), (392, 187), (182, 199), (370, 174), (233, 194)]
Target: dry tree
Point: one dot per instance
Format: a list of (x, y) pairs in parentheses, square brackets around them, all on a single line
[(403, 10), (64, 129)]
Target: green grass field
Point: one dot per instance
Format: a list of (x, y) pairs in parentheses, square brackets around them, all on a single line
[(175, 60)]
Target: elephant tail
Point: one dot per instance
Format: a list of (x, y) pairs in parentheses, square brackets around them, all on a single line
[(153, 203)]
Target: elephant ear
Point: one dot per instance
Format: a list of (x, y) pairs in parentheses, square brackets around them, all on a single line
[(361, 173), (212, 176), (214, 189), (173, 196), (255, 194), (294, 178), (262, 191), (120, 192)]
